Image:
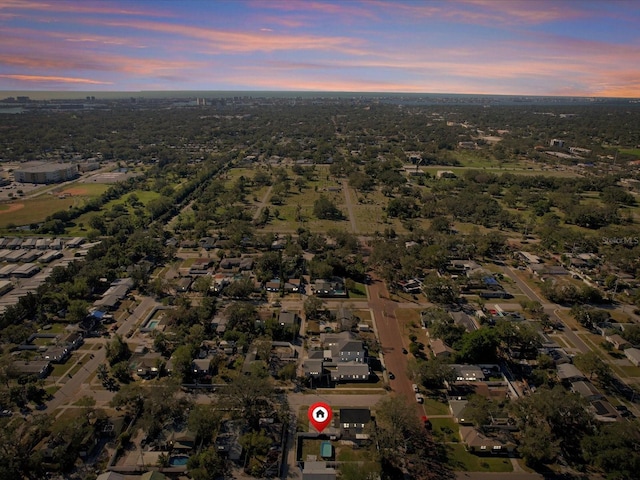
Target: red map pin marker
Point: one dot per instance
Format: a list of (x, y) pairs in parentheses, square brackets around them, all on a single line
[(320, 416)]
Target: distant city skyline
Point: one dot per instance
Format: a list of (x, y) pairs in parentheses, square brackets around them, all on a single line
[(493, 47)]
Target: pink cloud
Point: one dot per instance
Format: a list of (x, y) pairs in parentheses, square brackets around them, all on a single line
[(227, 41), (61, 6), (342, 10), (53, 79), (484, 12), (288, 21)]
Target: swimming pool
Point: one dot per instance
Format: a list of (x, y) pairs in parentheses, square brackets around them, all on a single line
[(153, 324), (178, 460)]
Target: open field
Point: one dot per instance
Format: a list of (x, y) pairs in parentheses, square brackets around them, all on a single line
[(368, 210), (631, 151), (83, 189), (34, 210)]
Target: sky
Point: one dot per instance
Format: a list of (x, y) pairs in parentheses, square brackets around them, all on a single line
[(510, 47)]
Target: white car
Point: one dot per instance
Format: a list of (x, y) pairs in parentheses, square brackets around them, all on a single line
[(419, 398), (415, 388)]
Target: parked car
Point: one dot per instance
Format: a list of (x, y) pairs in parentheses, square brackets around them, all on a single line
[(391, 376), (419, 398)]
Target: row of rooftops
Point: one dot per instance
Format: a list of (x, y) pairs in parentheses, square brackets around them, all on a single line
[(41, 243), (118, 289)]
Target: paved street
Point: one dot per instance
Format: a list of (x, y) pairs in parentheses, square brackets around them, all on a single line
[(549, 308)]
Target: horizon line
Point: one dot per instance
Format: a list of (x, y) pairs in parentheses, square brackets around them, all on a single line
[(322, 92)]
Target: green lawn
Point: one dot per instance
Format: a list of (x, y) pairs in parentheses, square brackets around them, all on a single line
[(630, 370), (359, 291), (445, 430), (460, 459), (631, 151), (434, 407), (35, 210), (60, 370)]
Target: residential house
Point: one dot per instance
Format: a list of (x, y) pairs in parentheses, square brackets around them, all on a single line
[(227, 442), (230, 263), (633, 354), (412, 286), (586, 390), (527, 257), (617, 341), (352, 423), (345, 318), (292, 285), (272, 285), (345, 348), (117, 291), (457, 409), (439, 348), (57, 355), (468, 373), (350, 371), (72, 341), (183, 442), (200, 266), (313, 368), (604, 411), (39, 368), (288, 319), (343, 357), (318, 471), (208, 243), (330, 288), (201, 367), (149, 365), (183, 284), (568, 372), (279, 244), (462, 319), (476, 442)]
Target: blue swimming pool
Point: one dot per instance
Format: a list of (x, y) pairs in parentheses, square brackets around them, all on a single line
[(178, 460)]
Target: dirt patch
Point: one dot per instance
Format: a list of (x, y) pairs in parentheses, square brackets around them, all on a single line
[(75, 191), (12, 208)]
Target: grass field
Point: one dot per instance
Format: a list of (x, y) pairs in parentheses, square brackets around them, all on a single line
[(631, 151), (434, 407), (460, 459), (445, 430), (34, 210)]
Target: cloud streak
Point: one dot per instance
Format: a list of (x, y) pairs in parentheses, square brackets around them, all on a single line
[(53, 79)]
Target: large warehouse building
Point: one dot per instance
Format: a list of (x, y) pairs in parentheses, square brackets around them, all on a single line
[(46, 173)]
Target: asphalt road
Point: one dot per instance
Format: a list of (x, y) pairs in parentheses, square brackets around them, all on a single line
[(392, 342), (549, 308)]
